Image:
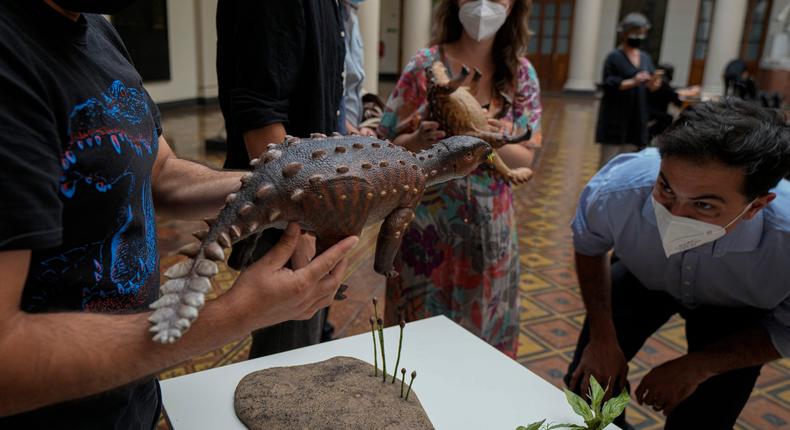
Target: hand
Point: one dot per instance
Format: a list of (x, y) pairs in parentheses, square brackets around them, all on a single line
[(604, 360), (497, 126), (304, 252), (427, 134), (655, 83), (642, 77), (268, 293), (367, 132), (667, 385)]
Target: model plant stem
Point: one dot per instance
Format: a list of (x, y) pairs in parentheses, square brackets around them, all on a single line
[(383, 356), (400, 345), (413, 375), (375, 351), (402, 380)]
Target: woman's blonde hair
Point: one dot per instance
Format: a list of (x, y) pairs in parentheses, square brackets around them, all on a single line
[(510, 43)]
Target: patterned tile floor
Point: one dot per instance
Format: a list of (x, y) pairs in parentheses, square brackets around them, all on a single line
[(552, 311)]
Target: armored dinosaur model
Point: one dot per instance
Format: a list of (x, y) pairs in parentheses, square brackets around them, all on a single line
[(458, 112), (333, 187)]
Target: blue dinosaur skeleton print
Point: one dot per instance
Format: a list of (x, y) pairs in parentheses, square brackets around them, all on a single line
[(112, 254)]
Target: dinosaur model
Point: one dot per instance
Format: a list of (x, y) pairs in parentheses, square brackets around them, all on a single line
[(333, 187), (457, 111)]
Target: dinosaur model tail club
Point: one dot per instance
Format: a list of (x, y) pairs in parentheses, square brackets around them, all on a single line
[(333, 187)]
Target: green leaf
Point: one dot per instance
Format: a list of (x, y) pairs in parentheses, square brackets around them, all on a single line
[(614, 407), (596, 395), (579, 405), (533, 426)]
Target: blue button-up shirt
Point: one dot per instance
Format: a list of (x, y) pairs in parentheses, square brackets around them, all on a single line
[(749, 267)]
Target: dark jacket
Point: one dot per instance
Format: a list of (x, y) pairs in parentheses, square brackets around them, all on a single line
[(278, 62), (622, 115)]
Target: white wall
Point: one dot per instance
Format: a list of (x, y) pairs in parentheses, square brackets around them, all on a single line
[(678, 39), (206, 36), (390, 37), (610, 12), (774, 26), (192, 37)]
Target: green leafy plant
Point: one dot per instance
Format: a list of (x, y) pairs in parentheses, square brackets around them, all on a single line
[(596, 414)]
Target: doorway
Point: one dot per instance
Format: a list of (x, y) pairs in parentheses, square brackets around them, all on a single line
[(551, 23)]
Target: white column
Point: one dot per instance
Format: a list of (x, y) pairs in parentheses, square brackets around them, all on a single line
[(584, 45), (724, 44), (368, 13), (206, 39), (416, 31)]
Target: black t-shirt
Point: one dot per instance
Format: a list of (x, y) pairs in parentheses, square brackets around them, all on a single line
[(278, 62), (78, 139)]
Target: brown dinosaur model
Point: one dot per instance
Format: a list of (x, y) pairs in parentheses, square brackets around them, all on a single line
[(458, 112), (333, 187)]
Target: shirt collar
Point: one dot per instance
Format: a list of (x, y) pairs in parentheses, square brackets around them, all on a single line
[(744, 238)]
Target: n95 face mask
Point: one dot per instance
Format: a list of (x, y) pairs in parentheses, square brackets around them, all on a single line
[(482, 19), (680, 234)]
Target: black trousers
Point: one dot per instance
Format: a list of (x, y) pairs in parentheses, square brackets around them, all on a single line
[(639, 312)]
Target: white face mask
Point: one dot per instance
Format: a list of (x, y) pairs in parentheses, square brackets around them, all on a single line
[(482, 19), (680, 234)]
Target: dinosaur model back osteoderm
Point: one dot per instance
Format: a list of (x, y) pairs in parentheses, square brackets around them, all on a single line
[(458, 112), (333, 187)]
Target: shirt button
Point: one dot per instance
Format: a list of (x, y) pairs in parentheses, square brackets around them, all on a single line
[(342, 34), (337, 113), (343, 74)]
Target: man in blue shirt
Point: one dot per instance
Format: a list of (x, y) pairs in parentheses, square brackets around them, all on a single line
[(699, 227)]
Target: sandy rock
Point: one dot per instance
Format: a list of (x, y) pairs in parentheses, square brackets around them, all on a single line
[(339, 393)]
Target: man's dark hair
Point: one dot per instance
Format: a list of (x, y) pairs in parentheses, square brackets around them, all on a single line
[(735, 133)]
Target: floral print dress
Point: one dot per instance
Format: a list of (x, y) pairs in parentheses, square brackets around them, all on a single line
[(459, 257)]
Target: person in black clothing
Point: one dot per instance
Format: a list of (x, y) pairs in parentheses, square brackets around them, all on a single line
[(280, 71), (83, 167), (658, 101), (627, 77), (738, 80)]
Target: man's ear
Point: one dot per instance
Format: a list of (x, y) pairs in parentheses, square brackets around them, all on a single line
[(759, 204)]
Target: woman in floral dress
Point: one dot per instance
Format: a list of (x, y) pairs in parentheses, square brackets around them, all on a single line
[(460, 256)]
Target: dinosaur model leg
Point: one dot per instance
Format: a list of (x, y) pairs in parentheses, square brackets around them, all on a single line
[(389, 240), (514, 176), (498, 140)]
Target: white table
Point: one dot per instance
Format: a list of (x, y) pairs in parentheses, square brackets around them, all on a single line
[(462, 382)]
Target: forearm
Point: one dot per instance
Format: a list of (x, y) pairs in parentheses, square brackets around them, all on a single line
[(627, 84), (256, 140), (595, 282), (189, 190), (751, 346), (81, 354), (516, 156)]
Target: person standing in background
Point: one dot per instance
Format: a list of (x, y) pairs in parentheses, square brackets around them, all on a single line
[(351, 108), (279, 68), (658, 101), (627, 77), (460, 254)]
